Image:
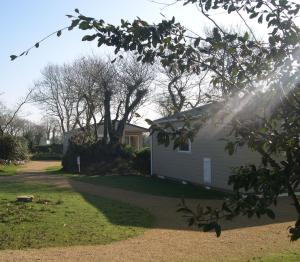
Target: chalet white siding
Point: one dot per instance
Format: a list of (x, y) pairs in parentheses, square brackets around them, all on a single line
[(206, 144)]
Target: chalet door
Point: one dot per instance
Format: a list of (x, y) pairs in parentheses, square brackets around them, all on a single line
[(207, 170), (134, 142)]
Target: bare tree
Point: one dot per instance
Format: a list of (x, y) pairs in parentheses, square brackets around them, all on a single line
[(181, 91), (56, 95), (92, 91), (13, 125), (33, 133), (133, 85), (52, 129), (7, 117), (109, 94), (89, 75), (119, 88)]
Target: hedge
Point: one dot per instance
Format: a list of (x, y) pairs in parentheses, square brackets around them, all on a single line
[(94, 154), (53, 148), (47, 156)]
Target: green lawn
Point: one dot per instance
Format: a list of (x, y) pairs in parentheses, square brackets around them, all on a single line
[(152, 186), (60, 217), (54, 169), (8, 170), (281, 257)]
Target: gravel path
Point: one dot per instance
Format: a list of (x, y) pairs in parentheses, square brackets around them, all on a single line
[(170, 239)]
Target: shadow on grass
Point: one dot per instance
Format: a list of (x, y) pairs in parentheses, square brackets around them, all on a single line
[(151, 186), (164, 208), (63, 217), (161, 199), (118, 213)]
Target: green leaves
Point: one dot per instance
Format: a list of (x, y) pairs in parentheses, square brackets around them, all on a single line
[(218, 230), (213, 226), (276, 139), (256, 187), (89, 37), (13, 57), (74, 23), (197, 42), (205, 219), (84, 25), (230, 148), (253, 15), (149, 122), (294, 233), (208, 4), (270, 213), (185, 210), (246, 37), (231, 8), (216, 35)]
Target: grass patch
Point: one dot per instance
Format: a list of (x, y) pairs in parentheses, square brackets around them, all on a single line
[(8, 170), (54, 169), (152, 186), (61, 217), (289, 256)]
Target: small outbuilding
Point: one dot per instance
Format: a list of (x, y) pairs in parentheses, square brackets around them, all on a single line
[(203, 160), (133, 135)]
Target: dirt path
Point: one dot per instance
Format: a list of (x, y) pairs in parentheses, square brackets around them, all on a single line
[(170, 240), (38, 166)]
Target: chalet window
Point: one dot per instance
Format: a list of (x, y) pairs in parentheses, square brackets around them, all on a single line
[(132, 140), (185, 147)]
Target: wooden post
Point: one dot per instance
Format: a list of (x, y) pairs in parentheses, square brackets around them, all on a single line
[(78, 163)]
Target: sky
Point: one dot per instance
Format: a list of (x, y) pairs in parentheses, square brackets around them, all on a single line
[(25, 22)]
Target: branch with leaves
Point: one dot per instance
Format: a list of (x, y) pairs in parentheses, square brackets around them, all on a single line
[(11, 117), (256, 187)]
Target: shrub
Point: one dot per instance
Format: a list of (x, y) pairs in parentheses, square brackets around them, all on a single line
[(102, 159), (142, 161), (13, 148), (127, 151), (95, 156)]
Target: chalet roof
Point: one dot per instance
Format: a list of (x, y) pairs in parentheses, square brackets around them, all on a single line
[(128, 127), (194, 112)]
